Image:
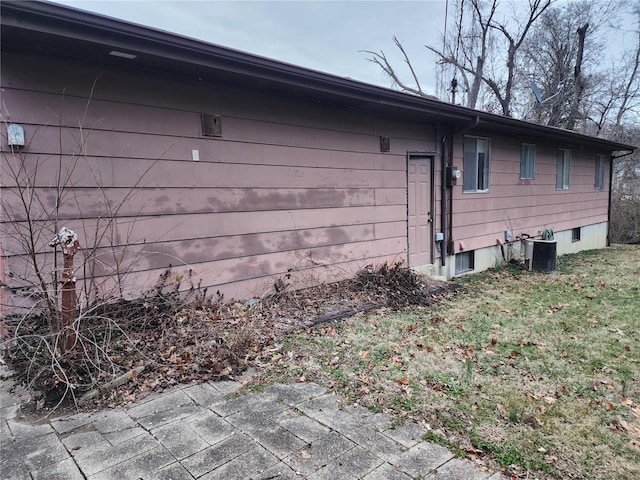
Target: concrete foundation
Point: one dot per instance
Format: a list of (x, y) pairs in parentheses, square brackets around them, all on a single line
[(591, 237)]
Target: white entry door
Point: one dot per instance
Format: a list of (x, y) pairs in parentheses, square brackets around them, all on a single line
[(419, 209)]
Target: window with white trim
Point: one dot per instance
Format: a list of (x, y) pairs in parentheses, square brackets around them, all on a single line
[(563, 169), (528, 161), (601, 167), (477, 155)]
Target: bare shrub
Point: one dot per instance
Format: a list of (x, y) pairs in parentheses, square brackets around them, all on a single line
[(396, 285), (40, 194), (177, 337), (625, 201)]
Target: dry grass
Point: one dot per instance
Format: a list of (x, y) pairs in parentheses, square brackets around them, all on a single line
[(539, 373)]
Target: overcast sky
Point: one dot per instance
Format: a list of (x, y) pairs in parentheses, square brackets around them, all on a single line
[(322, 35)]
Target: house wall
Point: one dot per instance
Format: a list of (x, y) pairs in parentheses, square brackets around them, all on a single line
[(526, 206), (290, 189), (593, 237)]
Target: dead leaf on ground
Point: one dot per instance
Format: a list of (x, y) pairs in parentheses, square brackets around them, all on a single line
[(304, 454), (630, 429), (532, 421), (397, 361)]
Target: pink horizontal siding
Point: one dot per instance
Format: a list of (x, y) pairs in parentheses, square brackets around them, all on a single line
[(140, 229), (390, 229), (530, 205), (322, 245), (289, 188), (314, 273), (127, 172), (472, 241), (526, 206), (179, 200), (137, 91)]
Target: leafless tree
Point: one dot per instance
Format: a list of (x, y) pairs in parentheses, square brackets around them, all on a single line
[(629, 90), (468, 48), (564, 48), (578, 80), (566, 56), (380, 59), (514, 40), (40, 193), (625, 195), (625, 190), (614, 102), (479, 40)]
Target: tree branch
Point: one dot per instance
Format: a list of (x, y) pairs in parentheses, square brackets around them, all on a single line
[(380, 59)]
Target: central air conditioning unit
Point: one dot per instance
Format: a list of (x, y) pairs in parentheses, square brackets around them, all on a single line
[(540, 255)]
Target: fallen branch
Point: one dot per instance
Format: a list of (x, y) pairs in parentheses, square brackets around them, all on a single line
[(427, 297), (116, 382), (330, 317)]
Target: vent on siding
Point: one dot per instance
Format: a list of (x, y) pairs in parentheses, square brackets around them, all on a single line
[(211, 125), (385, 144)]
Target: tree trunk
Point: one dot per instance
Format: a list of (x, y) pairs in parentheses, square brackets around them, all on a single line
[(577, 79), (472, 98)]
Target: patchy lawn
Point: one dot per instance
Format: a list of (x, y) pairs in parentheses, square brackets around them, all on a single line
[(539, 373)]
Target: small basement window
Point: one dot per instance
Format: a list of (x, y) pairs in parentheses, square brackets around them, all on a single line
[(576, 234), (464, 262)]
